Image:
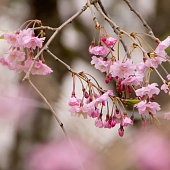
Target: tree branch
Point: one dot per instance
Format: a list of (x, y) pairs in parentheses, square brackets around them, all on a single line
[(52, 37)]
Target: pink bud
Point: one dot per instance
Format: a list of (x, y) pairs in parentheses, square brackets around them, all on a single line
[(119, 82), (153, 97), (129, 90), (86, 95), (113, 123), (121, 131), (110, 78), (103, 38), (106, 80)]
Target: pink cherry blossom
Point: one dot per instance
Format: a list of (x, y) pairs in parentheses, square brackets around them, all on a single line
[(110, 41), (165, 88), (77, 111), (14, 55), (100, 64), (38, 69), (32, 42), (4, 62), (95, 113), (98, 123), (25, 33), (146, 108), (104, 97), (167, 115), (107, 124), (113, 123), (135, 79), (12, 38), (160, 50), (122, 70), (127, 121), (98, 50), (148, 90), (155, 62), (168, 76), (74, 101)]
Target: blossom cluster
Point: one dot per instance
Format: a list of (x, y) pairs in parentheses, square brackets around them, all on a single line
[(19, 56), (130, 78)]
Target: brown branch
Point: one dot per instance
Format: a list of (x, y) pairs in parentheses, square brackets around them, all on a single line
[(49, 106), (113, 25), (94, 17), (141, 18), (52, 37)]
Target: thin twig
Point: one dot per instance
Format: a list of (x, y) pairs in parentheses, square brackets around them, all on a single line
[(113, 25), (49, 106), (57, 59), (141, 18), (52, 37), (94, 17)]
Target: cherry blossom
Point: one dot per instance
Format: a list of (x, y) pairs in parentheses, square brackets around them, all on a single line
[(12, 38), (126, 121), (32, 42), (98, 50), (149, 90), (74, 101), (14, 55), (38, 69), (160, 50), (110, 41), (168, 76), (100, 64), (165, 88), (147, 107), (122, 69), (98, 123), (167, 115)]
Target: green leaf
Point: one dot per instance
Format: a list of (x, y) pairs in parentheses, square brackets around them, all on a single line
[(2, 36), (131, 101)]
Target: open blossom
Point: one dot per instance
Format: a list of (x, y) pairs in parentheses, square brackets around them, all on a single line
[(160, 50), (12, 38), (14, 55), (4, 62), (127, 121), (104, 97), (74, 101), (77, 111), (165, 88), (135, 79), (155, 62), (99, 64), (148, 90), (168, 76), (32, 42), (146, 108), (122, 69), (110, 41), (98, 50), (38, 69)]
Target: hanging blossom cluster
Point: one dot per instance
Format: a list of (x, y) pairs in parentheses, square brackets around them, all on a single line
[(20, 54), (130, 79)]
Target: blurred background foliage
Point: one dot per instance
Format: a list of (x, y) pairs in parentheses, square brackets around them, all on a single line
[(70, 44)]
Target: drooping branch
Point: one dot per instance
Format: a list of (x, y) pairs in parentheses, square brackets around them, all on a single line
[(141, 18), (53, 36), (113, 25)]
